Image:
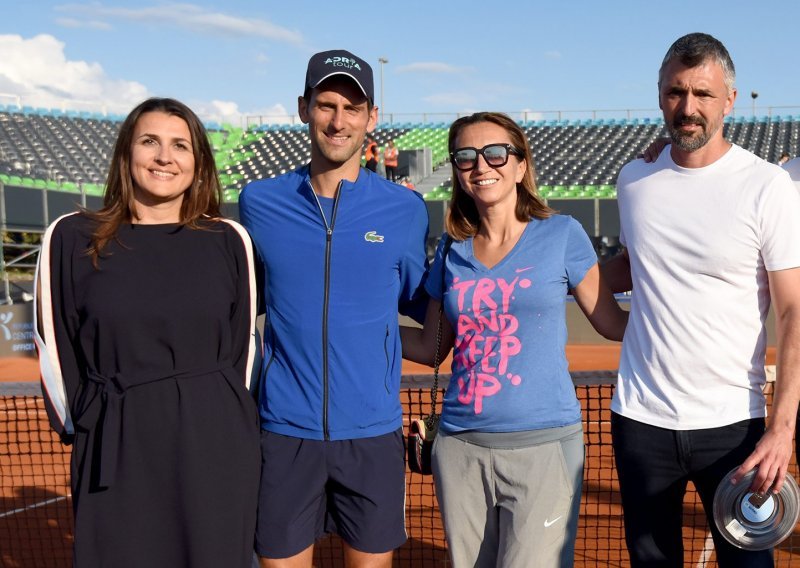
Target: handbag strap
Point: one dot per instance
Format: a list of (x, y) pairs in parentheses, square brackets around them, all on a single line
[(435, 389)]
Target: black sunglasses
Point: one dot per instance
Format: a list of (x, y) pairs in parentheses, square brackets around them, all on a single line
[(496, 155)]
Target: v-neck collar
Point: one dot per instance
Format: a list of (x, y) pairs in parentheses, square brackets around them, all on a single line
[(478, 265)]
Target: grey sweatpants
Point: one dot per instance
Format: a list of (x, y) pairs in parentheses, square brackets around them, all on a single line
[(509, 508)]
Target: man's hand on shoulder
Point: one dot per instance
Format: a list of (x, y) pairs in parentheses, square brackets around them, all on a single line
[(652, 152)]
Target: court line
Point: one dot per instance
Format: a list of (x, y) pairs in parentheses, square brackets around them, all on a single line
[(708, 549), (34, 506)]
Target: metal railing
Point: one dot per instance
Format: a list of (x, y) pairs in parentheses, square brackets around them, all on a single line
[(432, 118)]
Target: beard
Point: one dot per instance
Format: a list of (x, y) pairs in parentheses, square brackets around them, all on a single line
[(689, 142)]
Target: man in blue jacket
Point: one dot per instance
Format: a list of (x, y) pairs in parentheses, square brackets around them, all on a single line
[(342, 250)]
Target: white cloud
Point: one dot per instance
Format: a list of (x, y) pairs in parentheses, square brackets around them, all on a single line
[(90, 24), (275, 114), (191, 17), (229, 112), (432, 67), (37, 70), (552, 54), (226, 108)]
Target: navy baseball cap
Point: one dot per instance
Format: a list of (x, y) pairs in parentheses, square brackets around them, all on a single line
[(327, 64)]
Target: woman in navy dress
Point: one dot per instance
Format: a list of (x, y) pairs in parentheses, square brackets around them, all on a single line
[(146, 316)]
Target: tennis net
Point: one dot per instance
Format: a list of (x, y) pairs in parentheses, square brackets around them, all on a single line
[(36, 519)]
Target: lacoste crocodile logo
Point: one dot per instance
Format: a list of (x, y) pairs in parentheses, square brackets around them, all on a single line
[(373, 237)]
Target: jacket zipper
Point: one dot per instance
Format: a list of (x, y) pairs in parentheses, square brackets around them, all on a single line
[(386, 353), (326, 300)]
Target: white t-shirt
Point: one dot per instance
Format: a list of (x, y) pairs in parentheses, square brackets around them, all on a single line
[(701, 241), (793, 167)]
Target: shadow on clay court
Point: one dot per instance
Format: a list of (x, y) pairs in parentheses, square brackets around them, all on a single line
[(35, 528)]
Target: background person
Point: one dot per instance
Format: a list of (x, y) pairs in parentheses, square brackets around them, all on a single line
[(406, 182), (145, 315), (351, 255), (390, 157), (371, 155), (712, 235), (510, 421)]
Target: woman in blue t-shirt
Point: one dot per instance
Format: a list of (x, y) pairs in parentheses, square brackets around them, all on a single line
[(508, 460)]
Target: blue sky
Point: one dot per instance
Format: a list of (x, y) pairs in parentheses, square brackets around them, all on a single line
[(233, 59)]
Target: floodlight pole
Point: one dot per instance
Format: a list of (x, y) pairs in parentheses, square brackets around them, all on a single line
[(382, 61), (3, 230)]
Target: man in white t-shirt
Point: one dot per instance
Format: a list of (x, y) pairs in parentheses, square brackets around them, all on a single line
[(793, 167), (711, 232)]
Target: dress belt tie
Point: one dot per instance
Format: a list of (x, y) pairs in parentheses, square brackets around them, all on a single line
[(107, 419)]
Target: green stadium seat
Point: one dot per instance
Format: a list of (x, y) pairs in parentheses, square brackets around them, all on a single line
[(230, 195), (93, 189)]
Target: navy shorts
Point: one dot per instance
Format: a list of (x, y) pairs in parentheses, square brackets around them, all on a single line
[(353, 488)]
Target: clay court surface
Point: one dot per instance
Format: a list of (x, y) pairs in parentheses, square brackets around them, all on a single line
[(18, 369), (35, 509)]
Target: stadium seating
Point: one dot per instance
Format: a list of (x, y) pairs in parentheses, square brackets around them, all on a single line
[(70, 151)]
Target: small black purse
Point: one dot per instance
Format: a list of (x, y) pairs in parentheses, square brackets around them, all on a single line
[(422, 431)]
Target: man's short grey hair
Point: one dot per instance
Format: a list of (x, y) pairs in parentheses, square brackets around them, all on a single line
[(695, 49)]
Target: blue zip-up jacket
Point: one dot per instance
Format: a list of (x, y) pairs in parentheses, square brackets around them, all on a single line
[(333, 284)]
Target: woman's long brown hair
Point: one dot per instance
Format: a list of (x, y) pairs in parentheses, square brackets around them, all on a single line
[(201, 199)]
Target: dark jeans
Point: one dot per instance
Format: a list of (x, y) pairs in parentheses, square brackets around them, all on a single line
[(654, 465), (797, 438)]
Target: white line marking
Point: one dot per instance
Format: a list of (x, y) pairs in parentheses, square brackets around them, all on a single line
[(708, 549), (34, 506)]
